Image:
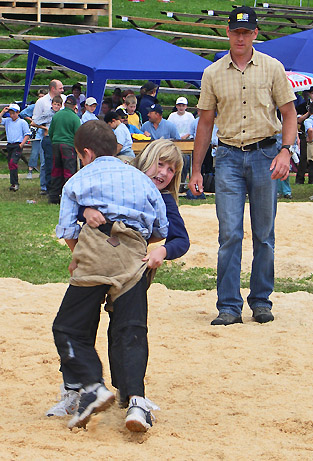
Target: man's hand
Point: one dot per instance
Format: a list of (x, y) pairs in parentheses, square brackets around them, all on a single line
[(94, 218), (280, 165), (156, 257), (196, 184)]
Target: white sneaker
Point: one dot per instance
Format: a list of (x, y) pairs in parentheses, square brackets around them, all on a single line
[(67, 405), (29, 175), (138, 417), (91, 402)]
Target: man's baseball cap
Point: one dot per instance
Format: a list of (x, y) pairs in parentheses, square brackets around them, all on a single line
[(156, 108), (71, 100), (14, 107), (90, 101), (181, 100), (243, 17)]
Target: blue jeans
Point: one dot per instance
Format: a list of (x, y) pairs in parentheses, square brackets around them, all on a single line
[(33, 159), (238, 173)]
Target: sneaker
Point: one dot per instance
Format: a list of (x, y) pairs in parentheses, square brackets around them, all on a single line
[(14, 187), (224, 318), (29, 175), (43, 192), (91, 402), (138, 417), (67, 405), (262, 314)]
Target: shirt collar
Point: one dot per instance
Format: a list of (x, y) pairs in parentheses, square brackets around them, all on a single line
[(254, 59)]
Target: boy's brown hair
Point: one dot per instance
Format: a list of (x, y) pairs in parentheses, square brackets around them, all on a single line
[(96, 136), (130, 99), (58, 99)]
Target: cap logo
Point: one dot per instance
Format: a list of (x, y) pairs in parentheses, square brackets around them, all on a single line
[(243, 17)]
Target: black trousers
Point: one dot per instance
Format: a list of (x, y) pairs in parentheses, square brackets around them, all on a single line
[(128, 342), (75, 329), (302, 166)]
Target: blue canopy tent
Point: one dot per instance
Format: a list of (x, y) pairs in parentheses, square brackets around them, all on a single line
[(293, 51), (116, 55)]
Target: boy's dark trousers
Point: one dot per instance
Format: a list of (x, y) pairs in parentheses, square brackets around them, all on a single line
[(14, 154), (75, 329), (64, 166)]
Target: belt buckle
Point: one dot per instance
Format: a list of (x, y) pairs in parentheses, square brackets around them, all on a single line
[(245, 150)]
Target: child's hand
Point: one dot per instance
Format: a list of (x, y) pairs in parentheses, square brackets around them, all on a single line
[(93, 217), (72, 266), (156, 257)]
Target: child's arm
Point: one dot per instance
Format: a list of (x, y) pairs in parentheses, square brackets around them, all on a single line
[(4, 110), (26, 138), (177, 241)]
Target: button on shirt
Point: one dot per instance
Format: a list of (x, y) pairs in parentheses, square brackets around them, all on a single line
[(165, 129), (15, 130), (245, 101), (119, 191)]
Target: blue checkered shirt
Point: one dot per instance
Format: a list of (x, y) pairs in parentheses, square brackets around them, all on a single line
[(119, 191)]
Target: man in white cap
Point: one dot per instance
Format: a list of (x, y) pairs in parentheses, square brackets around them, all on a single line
[(245, 87), (90, 106)]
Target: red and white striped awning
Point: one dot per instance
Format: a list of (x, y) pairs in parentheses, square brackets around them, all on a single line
[(299, 82)]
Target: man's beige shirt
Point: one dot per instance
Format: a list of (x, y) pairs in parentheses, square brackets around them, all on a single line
[(245, 101)]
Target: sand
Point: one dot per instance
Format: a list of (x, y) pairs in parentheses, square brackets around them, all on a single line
[(234, 393)]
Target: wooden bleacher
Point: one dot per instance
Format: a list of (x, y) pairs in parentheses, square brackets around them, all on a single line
[(215, 28), (185, 146), (89, 9)]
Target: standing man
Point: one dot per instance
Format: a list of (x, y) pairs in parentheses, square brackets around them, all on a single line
[(62, 130), (42, 106), (245, 87)]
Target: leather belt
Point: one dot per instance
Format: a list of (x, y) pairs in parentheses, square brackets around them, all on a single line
[(256, 145), (107, 227)]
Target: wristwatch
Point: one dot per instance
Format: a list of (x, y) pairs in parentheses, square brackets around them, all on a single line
[(288, 147)]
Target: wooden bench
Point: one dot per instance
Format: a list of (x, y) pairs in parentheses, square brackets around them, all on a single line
[(26, 150)]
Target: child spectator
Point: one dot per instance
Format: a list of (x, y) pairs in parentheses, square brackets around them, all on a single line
[(116, 98), (134, 117), (62, 130), (125, 93), (36, 151), (123, 136), (18, 133), (79, 96), (43, 123), (106, 107), (90, 106), (182, 119), (132, 215), (148, 98)]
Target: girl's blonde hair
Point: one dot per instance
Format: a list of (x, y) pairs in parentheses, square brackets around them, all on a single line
[(166, 151)]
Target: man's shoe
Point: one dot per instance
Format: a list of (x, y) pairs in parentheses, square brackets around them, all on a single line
[(138, 418), (14, 187), (43, 192), (29, 175), (91, 402), (289, 196), (226, 319), (262, 314), (68, 404)]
